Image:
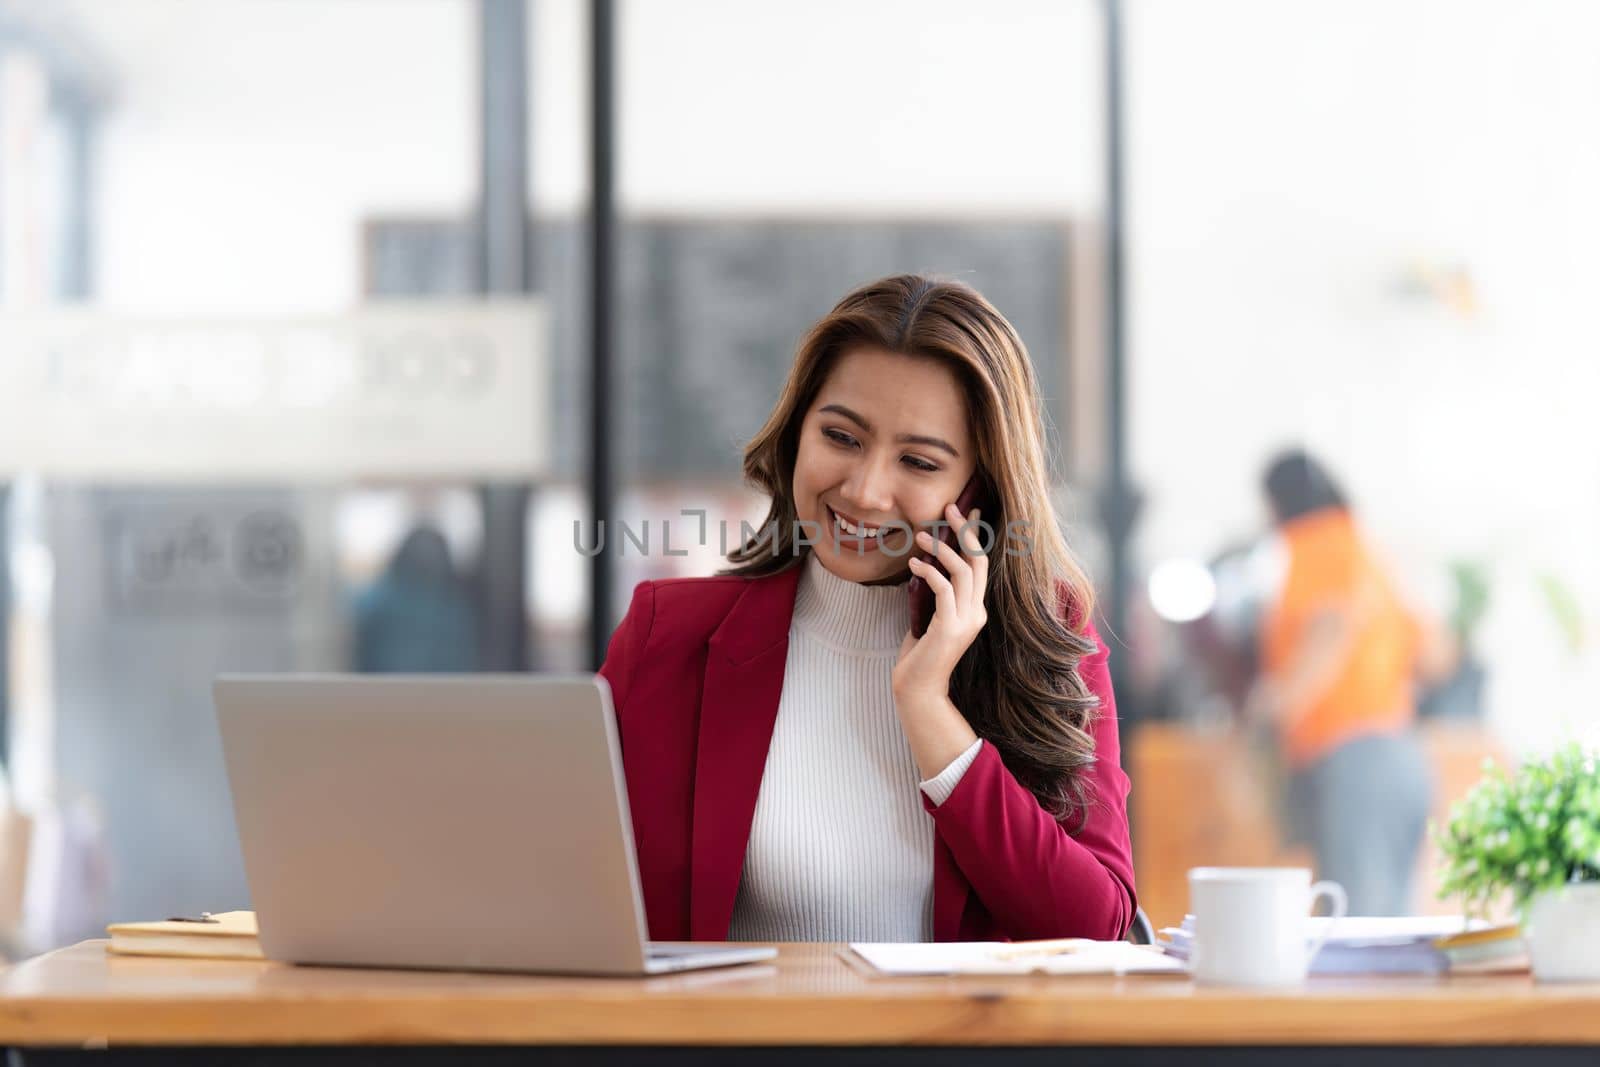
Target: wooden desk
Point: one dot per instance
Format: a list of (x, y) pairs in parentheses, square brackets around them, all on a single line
[(78, 999)]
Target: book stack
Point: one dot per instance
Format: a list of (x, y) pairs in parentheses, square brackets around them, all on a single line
[(228, 935), (1492, 950), (1397, 945)]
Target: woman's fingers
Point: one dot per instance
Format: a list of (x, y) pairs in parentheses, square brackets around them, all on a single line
[(970, 533), (944, 594), (955, 563), (980, 558), (967, 570)]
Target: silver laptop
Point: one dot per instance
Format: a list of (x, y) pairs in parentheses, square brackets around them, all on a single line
[(471, 822)]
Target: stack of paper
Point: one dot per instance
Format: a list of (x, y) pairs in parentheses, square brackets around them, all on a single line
[(1002, 957), (1364, 945)]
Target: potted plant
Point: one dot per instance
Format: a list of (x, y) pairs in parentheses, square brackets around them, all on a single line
[(1536, 836)]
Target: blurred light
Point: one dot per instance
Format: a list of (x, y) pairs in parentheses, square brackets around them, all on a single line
[(1182, 590)]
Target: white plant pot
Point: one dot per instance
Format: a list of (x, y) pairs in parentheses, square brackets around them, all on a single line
[(1564, 934)]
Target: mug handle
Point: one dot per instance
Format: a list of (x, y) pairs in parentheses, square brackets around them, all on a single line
[(1338, 904)]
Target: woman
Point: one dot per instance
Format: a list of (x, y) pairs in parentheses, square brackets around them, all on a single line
[(799, 765), (1340, 656)]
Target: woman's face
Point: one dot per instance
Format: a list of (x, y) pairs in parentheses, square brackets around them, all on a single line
[(886, 440)]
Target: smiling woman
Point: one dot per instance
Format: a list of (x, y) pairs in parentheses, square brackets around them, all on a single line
[(800, 764)]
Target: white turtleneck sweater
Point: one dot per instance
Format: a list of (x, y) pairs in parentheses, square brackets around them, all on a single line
[(841, 848)]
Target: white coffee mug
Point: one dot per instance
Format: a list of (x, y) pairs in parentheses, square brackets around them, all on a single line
[(1251, 923)]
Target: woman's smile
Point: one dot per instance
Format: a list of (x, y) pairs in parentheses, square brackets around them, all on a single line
[(858, 535)]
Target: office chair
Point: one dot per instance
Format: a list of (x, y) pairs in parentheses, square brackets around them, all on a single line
[(1141, 932)]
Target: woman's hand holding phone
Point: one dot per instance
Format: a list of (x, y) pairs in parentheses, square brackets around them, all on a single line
[(925, 663), (933, 725)]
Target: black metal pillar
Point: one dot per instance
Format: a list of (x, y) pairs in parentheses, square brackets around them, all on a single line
[(1119, 502), (503, 201), (502, 244), (602, 236)]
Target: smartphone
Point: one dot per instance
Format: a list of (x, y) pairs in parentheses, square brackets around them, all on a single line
[(972, 496)]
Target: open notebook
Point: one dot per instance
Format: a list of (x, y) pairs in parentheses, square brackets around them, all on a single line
[(1001, 957)]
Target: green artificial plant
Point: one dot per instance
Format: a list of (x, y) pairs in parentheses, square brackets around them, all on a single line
[(1525, 833)]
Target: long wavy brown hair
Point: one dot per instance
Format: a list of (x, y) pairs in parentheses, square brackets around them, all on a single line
[(1018, 684)]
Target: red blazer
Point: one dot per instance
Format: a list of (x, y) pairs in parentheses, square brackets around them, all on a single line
[(696, 669)]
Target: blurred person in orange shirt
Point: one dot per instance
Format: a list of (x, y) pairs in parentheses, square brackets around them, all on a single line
[(1341, 656)]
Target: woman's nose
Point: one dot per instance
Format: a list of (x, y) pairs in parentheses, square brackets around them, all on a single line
[(869, 488)]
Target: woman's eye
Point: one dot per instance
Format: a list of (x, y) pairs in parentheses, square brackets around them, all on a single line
[(920, 464), (839, 437)]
